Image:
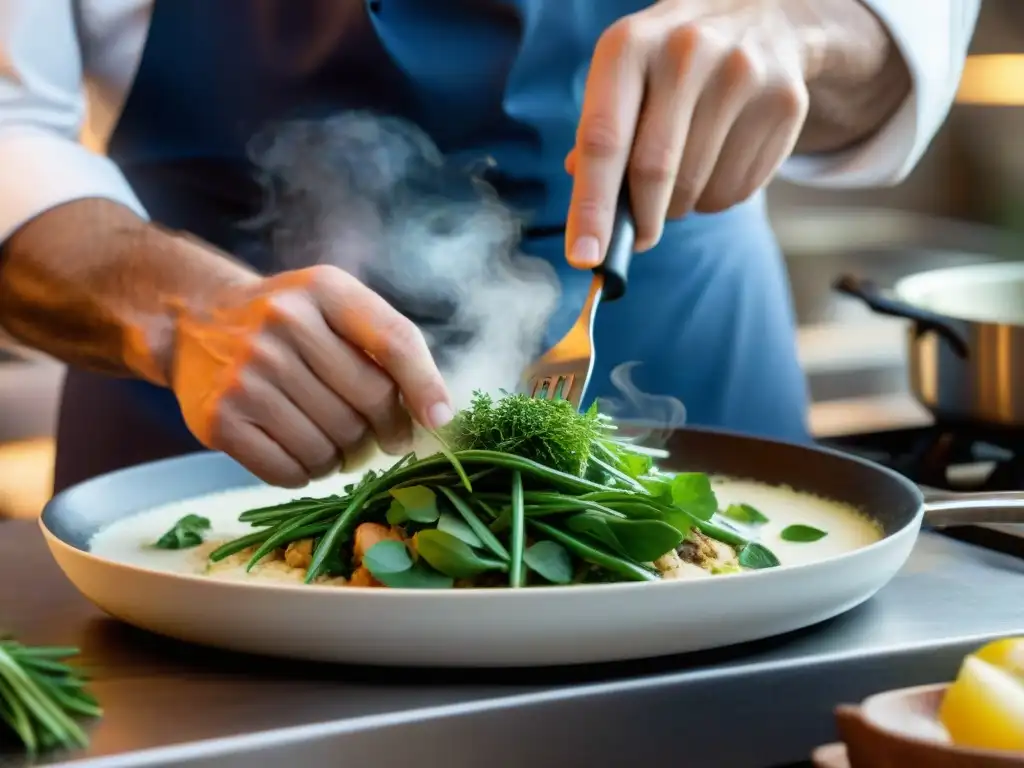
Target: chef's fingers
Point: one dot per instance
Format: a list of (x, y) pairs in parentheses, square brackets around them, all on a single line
[(367, 388), (676, 77), (369, 323), (281, 363), (251, 447), (762, 137), (269, 408), (355, 390), (737, 78), (611, 103)]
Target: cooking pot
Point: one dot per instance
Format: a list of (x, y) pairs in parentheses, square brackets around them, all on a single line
[(965, 339)]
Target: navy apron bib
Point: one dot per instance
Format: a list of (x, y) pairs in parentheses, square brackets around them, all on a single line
[(708, 317)]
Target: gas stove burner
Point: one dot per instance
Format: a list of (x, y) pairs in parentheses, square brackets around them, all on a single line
[(957, 458), (952, 458)]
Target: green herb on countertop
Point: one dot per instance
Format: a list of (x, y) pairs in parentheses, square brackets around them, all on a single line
[(188, 532), (41, 697)]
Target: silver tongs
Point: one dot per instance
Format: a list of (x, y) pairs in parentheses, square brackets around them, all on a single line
[(564, 370)]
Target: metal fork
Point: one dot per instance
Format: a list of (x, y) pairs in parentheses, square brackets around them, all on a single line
[(564, 370)]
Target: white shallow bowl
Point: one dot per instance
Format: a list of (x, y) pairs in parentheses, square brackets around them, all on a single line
[(488, 628)]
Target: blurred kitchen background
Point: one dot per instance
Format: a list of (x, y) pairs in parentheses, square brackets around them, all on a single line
[(963, 204)]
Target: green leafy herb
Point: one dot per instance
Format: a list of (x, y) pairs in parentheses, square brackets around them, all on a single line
[(186, 533), (391, 564), (506, 467), (420, 576), (458, 528), (692, 493), (636, 465), (516, 576), (485, 534), (756, 556), (418, 504), (387, 557), (550, 432), (550, 561), (640, 540), (40, 697), (801, 533), (745, 514), (447, 555)]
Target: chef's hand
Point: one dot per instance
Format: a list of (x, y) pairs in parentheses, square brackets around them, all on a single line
[(290, 373), (697, 103)]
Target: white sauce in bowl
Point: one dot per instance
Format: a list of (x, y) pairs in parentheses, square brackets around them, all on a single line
[(130, 540), (847, 528)]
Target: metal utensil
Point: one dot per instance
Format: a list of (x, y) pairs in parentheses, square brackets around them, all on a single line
[(564, 370)]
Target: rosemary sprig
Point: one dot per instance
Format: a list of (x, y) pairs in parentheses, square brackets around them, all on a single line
[(40, 696)]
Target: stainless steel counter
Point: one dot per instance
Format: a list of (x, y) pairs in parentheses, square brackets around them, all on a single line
[(749, 707)]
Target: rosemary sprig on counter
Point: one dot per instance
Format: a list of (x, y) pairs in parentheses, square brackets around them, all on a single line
[(41, 695)]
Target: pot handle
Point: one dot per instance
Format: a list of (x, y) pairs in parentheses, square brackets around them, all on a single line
[(924, 320), (942, 508)]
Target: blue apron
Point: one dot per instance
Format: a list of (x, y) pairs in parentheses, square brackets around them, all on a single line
[(708, 315)]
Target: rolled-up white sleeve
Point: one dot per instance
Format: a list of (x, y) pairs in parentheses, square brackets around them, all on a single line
[(42, 106), (933, 36)]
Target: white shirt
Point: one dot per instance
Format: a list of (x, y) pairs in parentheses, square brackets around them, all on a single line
[(49, 49)]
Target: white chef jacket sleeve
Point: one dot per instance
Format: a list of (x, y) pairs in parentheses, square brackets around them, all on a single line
[(933, 36), (42, 108)]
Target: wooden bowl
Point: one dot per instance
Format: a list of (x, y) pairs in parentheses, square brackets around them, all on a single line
[(900, 729)]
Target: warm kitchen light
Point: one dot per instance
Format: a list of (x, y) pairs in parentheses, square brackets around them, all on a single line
[(995, 80)]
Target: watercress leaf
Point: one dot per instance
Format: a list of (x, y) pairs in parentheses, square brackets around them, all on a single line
[(453, 557), (744, 514), (636, 465), (641, 540), (802, 533), (386, 557), (692, 493), (756, 556), (659, 486), (420, 576), (458, 528), (550, 560), (184, 534), (419, 501), (396, 513), (485, 537)]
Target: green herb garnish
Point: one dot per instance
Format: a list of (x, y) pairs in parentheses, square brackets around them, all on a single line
[(452, 557), (40, 697), (520, 488), (550, 561), (417, 503), (801, 533), (744, 514), (756, 556), (188, 532), (390, 564)]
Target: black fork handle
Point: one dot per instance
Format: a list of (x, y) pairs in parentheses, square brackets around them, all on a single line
[(615, 268)]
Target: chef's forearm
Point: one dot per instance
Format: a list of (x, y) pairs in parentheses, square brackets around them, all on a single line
[(92, 284), (858, 77)]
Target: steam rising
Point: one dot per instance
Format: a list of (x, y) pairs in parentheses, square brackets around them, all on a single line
[(376, 198), (643, 418)]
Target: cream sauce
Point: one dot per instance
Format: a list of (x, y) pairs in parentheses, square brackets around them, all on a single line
[(846, 528), (129, 540)]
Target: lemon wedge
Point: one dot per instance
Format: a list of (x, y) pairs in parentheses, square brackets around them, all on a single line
[(1007, 654), (984, 707)]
